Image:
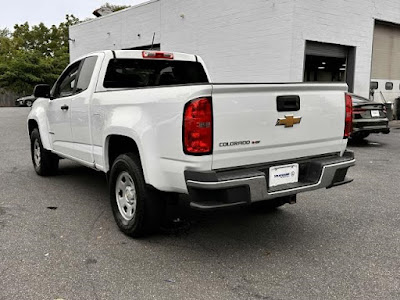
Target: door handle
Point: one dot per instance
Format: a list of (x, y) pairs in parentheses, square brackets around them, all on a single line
[(65, 107), (288, 103)]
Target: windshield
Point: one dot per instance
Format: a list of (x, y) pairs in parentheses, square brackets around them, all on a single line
[(132, 73)]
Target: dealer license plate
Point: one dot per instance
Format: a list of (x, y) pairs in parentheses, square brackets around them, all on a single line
[(375, 113), (279, 175)]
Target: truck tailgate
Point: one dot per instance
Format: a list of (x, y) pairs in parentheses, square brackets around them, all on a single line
[(246, 116)]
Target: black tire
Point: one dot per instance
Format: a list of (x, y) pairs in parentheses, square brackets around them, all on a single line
[(359, 137), (45, 163), (28, 103), (142, 213)]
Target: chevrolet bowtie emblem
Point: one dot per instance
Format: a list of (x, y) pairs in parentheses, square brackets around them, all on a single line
[(288, 121)]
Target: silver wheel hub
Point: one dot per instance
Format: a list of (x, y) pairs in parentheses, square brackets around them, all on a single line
[(125, 194), (36, 153)]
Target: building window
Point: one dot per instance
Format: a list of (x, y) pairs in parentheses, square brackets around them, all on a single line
[(389, 86), (329, 63), (374, 85)]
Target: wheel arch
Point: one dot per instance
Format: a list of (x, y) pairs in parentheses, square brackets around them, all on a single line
[(32, 124), (117, 144), (37, 118), (43, 131)]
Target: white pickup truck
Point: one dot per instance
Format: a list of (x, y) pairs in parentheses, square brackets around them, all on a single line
[(157, 127)]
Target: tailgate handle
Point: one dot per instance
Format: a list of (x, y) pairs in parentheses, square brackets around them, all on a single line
[(288, 103)]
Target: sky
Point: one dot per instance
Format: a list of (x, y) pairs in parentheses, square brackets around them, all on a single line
[(50, 12)]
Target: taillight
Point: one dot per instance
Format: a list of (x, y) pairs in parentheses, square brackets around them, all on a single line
[(358, 110), (157, 54), (198, 127), (348, 123)]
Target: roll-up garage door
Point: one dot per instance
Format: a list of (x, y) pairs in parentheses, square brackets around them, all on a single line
[(329, 62), (386, 52), (327, 50)]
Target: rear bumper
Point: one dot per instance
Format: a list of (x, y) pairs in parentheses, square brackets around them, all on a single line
[(371, 126), (218, 189)]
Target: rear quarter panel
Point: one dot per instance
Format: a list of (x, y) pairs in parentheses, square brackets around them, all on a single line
[(153, 118)]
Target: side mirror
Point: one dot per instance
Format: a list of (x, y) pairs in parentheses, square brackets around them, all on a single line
[(42, 91)]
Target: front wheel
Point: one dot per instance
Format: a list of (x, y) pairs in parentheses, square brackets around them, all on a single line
[(44, 162), (137, 209)]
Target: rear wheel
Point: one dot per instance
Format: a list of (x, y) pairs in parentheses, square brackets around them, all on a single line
[(137, 209), (28, 103), (358, 137), (44, 162), (366, 135)]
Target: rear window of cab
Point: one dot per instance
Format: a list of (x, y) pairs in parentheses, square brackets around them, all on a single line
[(136, 73)]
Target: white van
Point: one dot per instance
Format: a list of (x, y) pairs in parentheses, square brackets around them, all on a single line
[(385, 91)]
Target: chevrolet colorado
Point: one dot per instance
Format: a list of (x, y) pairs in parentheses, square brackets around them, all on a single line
[(154, 123)]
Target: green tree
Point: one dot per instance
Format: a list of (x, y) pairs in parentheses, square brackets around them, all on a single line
[(113, 7), (33, 55), (5, 32)]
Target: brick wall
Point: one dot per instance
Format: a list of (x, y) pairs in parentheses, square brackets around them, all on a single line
[(117, 31), (244, 41), (240, 41)]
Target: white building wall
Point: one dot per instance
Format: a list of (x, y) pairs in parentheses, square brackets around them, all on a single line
[(240, 41), (117, 31), (244, 41)]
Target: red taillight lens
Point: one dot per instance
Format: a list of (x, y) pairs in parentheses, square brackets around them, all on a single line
[(348, 123), (198, 127), (157, 54)]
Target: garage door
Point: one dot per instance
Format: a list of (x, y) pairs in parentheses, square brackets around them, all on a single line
[(386, 52), (329, 62)]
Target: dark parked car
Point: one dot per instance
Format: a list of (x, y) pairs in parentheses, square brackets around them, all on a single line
[(25, 101), (368, 117)]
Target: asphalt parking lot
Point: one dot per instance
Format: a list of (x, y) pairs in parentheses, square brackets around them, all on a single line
[(58, 239)]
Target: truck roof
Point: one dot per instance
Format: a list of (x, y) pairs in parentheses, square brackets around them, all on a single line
[(145, 54)]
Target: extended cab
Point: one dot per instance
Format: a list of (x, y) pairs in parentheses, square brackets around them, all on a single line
[(156, 126)]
